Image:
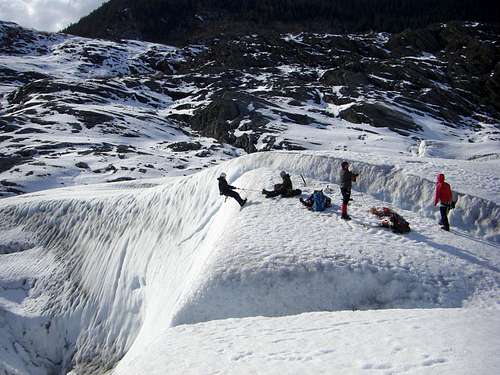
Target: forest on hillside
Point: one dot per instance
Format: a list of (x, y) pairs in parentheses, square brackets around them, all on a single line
[(158, 20)]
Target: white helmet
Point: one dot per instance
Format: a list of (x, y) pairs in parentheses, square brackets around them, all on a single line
[(282, 173), (223, 175)]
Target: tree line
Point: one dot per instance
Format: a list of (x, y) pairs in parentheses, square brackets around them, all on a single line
[(156, 20)]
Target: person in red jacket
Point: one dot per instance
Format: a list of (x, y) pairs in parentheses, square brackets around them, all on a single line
[(443, 195)]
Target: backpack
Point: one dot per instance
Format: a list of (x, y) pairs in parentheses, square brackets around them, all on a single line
[(399, 224), (319, 201)]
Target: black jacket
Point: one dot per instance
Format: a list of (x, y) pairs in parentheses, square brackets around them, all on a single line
[(224, 187), (287, 183), (346, 179)]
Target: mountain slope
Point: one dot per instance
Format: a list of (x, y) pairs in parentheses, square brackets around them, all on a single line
[(181, 21), (80, 111)]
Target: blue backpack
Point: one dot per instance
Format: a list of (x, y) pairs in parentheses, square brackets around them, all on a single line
[(319, 201)]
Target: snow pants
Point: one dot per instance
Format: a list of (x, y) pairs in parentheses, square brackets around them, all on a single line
[(235, 195), (346, 196), (444, 216), (271, 194), (283, 193)]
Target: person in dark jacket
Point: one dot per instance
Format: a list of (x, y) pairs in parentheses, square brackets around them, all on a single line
[(346, 179), (228, 190), (445, 196), (285, 189)]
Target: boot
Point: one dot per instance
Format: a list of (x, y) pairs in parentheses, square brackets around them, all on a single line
[(344, 212)]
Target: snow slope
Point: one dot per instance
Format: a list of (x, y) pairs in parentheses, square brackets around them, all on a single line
[(451, 341), (90, 276)]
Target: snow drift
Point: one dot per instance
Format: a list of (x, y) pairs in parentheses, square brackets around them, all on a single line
[(90, 274)]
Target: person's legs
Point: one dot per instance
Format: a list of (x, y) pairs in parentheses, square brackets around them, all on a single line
[(444, 217), (236, 196), (328, 202), (346, 196), (306, 202), (270, 194)]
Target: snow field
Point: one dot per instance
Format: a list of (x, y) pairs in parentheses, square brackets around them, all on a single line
[(437, 341), (128, 258)]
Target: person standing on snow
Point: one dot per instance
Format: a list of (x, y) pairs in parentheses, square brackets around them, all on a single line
[(444, 195), (346, 179), (228, 190)]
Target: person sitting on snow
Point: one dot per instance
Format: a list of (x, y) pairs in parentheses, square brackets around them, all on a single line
[(445, 196), (228, 190), (284, 189), (346, 179), (317, 201)]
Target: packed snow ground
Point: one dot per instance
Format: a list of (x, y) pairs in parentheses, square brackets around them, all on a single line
[(451, 341), (96, 275)]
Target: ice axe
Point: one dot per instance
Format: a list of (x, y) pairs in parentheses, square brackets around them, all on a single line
[(303, 179)]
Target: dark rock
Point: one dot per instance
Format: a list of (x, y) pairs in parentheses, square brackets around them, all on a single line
[(219, 116), (413, 42), (111, 168), (177, 95), (298, 118), (30, 131), (203, 154), (82, 165), (9, 183), (121, 179), (7, 127), (14, 191), (27, 152), (38, 164), (124, 149), (184, 146), (345, 77), (378, 115)]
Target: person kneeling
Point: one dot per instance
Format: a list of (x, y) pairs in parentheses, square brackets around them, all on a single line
[(317, 201)]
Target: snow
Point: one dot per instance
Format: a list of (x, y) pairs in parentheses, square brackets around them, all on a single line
[(438, 341), (116, 274)]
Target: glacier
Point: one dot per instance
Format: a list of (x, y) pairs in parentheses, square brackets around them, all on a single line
[(90, 275)]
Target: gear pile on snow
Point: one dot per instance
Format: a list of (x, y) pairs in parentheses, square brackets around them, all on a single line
[(391, 219)]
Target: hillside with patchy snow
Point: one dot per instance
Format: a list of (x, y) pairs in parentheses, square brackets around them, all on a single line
[(81, 111)]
